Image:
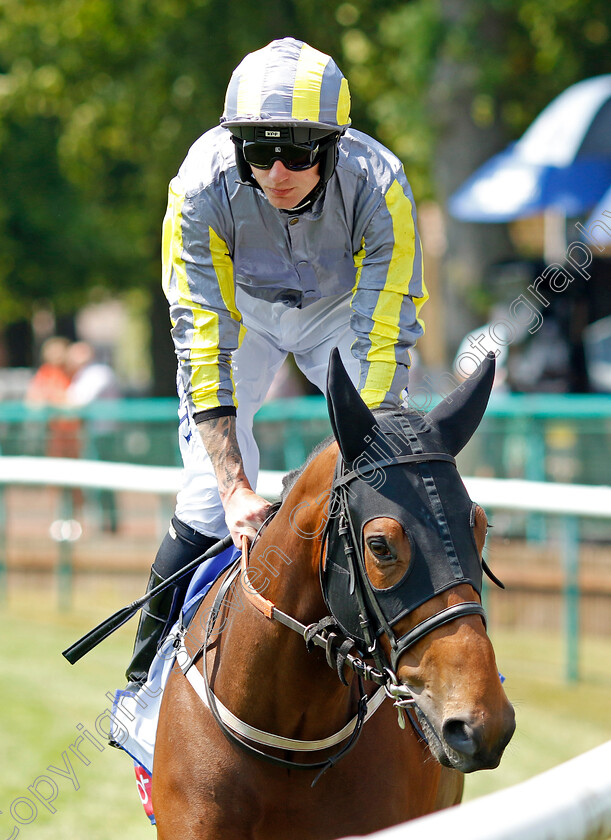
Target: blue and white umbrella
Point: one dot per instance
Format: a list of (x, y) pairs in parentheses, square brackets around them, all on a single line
[(562, 163), (597, 229)]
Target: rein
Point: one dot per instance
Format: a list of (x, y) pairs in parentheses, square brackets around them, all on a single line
[(313, 634)]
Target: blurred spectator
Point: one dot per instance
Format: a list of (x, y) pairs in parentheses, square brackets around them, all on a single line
[(496, 336), (92, 381), (597, 350), (543, 366), (48, 388), (467, 360), (51, 379)]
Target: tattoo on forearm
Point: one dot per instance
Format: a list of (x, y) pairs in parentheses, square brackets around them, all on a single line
[(220, 439)]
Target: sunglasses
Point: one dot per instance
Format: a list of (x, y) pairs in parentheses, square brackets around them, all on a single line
[(294, 157)]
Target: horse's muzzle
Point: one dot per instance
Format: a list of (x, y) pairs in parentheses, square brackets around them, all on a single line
[(468, 745)]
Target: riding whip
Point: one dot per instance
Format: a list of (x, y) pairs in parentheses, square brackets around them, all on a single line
[(93, 638)]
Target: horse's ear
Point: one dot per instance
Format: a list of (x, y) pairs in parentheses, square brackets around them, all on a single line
[(459, 414), (352, 422)]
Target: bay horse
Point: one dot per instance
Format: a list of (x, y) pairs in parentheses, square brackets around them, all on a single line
[(375, 559)]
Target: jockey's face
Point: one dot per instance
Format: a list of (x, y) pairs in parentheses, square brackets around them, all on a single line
[(285, 188)]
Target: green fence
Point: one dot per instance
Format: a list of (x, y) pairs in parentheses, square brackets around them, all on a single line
[(537, 437), (139, 431)]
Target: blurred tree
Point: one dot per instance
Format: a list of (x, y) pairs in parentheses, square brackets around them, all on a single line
[(447, 83), (100, 100)]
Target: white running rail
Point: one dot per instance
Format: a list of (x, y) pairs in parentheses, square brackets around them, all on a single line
[(569, 802), (497, 493)]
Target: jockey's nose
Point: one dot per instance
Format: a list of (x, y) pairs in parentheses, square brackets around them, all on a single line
[(278, 172)]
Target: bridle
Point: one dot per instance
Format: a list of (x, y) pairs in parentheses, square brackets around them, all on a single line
[(315, 635), (335, 633)]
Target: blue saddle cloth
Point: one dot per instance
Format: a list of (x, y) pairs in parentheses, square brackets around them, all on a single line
[(205, 576)]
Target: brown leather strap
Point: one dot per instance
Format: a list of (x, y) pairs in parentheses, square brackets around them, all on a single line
[(256, 599)]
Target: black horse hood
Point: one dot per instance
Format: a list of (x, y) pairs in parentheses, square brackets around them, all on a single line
[(401, 465), (449, 425)]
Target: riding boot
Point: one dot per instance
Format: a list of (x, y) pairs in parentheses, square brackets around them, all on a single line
[(156, 619), (180, 546)]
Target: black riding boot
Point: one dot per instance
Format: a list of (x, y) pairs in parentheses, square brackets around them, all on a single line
[(180, 546), (156, 619)]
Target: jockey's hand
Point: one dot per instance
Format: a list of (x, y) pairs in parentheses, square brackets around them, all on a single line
[(245, 512)]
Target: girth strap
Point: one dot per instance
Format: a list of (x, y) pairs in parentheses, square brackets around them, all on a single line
[(235, 729)]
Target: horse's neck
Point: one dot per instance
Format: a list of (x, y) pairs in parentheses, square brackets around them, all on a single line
[(275, 670), (291, 546)]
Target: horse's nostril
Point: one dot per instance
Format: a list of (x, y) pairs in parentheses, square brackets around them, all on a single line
[(460, 736)]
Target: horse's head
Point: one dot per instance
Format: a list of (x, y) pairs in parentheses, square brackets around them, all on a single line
[(403, 570)]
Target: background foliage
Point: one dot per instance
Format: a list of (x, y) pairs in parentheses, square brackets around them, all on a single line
[(100, 100)]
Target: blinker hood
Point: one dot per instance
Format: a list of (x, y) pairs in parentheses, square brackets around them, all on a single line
[(443, 550), (401, 465)]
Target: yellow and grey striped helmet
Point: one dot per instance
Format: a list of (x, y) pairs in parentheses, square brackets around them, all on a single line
[(288, 83)]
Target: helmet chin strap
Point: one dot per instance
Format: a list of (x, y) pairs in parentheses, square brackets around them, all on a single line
[(308, 201)]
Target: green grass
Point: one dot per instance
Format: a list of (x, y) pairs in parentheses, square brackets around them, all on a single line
[(43, 698), (555, 721)]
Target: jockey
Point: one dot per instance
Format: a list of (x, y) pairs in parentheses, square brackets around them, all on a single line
[(286, 231)]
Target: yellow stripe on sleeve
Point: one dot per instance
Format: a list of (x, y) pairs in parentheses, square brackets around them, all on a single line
[(387, 312), (359, 258), (206, 380), (204, 375), (420, 301), (203, 352), (308, 83), (223, 267), (171, 241)]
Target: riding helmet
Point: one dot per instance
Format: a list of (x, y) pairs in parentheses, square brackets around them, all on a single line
[(291, 87)]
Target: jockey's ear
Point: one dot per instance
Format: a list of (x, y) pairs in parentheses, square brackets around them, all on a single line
[(352, 422), (459, 414)]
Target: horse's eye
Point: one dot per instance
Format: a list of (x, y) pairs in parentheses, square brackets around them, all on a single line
[(379, 548)]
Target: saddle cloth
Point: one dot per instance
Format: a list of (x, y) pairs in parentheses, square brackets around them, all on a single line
[(135, 715)]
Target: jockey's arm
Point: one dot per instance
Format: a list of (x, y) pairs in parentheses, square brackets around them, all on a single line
[(245, 511)]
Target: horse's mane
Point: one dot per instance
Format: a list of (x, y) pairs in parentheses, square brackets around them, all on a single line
[(291, 477)]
